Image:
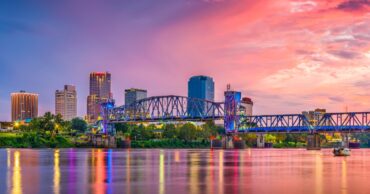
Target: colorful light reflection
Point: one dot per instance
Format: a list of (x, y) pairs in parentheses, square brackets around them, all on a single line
[(56, 179), (17, 175)]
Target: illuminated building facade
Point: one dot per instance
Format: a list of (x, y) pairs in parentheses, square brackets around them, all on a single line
[(232, 106), (24, 105), (202, 87), (100, 91), (66, 102)]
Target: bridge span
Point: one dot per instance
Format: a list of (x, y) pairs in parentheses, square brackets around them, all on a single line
[(180, 108)]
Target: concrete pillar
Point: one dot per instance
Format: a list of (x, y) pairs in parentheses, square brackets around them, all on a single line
[(313, 142), (239, 144), (345, 140), (228, 139), (216, 144), (260, 140)]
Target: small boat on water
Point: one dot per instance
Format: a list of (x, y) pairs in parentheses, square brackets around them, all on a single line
[(341, 151)]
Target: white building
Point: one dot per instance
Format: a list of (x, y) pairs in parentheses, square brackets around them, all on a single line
[(66, 102), (246, 107)]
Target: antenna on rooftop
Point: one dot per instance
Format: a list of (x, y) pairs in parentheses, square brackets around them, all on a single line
[(228, 87)]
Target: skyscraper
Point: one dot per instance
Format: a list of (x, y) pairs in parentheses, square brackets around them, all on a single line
[(24, 105), (201, 87), (100, 91), (134, 94), (66, 102)]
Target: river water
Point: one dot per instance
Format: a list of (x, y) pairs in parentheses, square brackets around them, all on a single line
[(260, 171)]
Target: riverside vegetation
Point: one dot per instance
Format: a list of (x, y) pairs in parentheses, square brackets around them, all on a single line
[(51, 131)]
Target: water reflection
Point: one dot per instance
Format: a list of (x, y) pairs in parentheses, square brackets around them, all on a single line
[(8, 171), (17, 175), (100, 173), (221, 172), (344, 177), (177, 156), (194, 173), (318, 173), (183, 171), (56, 179), (128, 172), (161, 173)]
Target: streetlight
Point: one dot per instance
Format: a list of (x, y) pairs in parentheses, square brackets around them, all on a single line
[(16, 124)]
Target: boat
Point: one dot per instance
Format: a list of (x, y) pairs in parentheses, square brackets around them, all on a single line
[(341, 151)]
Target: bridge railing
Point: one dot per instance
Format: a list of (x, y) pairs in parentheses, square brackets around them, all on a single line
[(336, 122), (353, 121)]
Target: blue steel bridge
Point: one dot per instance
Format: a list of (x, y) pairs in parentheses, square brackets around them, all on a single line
[(180, 108)]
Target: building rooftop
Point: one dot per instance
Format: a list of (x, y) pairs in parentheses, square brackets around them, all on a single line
[(23, 92), (134, 90)]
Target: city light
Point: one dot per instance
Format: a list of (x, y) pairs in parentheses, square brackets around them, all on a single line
[(135, 97), (16, 124)]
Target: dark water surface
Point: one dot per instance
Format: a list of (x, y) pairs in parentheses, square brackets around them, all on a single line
[(260, 171)]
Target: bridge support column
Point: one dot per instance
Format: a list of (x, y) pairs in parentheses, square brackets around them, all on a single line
[(260, 140), (229, 144), (313, 141), (345, 140)]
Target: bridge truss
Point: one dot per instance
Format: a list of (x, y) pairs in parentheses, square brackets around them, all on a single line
[(167, 108), (327, 122), (180, 108)]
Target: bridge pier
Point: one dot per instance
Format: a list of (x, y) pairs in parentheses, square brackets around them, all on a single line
[(102, 141), (260, 140), (313, 141), (229, 144), (345, 140)]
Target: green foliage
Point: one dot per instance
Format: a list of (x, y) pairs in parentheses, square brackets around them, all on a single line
[(122, 127), (34, 140), (249, 138), (364, 139), (170, 131), (48, 123), (79, 125), (187, 132), (139, 132)]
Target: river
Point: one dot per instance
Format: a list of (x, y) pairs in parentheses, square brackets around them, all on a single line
[(259, 171)]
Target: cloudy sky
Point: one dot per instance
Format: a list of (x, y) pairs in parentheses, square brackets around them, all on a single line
[(287, 55)]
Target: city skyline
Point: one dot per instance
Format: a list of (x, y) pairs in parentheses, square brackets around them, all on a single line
[(318, 60)]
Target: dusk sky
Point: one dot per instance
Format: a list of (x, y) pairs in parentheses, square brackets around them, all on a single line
[(288, 56)]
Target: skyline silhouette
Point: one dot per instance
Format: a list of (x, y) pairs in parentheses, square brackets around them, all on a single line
[(288, 56)]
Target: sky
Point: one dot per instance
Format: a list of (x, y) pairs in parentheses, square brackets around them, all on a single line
[(287, 55)]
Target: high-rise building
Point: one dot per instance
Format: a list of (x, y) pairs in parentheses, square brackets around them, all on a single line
[(100, 91), (201, 87), (66, 102), (24, 105), (134, 94)]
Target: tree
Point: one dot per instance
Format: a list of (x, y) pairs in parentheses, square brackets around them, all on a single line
[(122, 127), (79, 124), (47, 122), (210, 129), (140, 132), (188, 132), (170, 131)]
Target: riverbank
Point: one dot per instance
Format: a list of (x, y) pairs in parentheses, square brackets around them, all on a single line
[(34, 140), (37, 140)]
